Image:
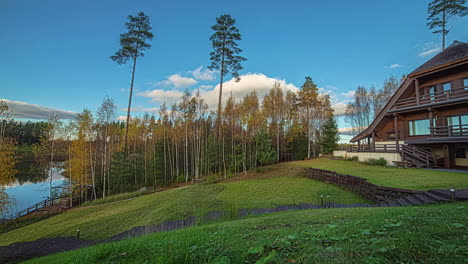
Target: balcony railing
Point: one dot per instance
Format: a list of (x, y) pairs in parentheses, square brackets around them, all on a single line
[(449, 131), (432, 98), (379, 148)]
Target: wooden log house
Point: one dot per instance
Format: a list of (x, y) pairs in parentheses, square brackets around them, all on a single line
[(425, 123)]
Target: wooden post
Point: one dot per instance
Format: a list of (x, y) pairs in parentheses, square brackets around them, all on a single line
[(430, 121), (397, 141), (373, 140), (416, 87), (446, 156)]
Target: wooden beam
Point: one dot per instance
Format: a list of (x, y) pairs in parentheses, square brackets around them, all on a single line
[(430, 121), (373, 140), (397, 141), (416, 87)]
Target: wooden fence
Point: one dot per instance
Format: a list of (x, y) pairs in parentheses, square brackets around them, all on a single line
[(361, 186)]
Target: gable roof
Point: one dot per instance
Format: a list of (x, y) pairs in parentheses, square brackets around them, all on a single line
[(456, 51)]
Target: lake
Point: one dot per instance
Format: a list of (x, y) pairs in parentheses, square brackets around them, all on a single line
[(32, 185)]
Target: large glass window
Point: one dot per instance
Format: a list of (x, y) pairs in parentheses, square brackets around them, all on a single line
[(457, 120), (419, 127), (465, 83)]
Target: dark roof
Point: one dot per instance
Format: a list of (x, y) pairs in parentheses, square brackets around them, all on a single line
[(456, 51)]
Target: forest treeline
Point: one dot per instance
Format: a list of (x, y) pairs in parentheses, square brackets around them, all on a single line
[(181, 141)]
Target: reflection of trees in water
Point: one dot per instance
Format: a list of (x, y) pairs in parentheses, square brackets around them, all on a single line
[(35, 172), (30, 172)]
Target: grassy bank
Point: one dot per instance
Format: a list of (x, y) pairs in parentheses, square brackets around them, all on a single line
[(417, 179), (101, 221), (425, 234)]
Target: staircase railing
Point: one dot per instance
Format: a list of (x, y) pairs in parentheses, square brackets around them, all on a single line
[(418, 155)]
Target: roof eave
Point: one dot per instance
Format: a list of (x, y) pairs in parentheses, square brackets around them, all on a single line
[(439, 68)]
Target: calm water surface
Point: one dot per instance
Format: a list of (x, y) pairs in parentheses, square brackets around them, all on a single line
[(32, 185)]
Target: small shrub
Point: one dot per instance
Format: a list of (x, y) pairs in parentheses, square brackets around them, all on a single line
[(211, 179), (355, 158), (376, 162)]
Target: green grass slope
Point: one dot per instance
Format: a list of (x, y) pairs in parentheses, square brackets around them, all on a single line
[(417, 179), (425, 234), (105, 220)]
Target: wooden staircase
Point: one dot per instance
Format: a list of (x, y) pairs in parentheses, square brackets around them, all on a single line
[(417, 157), (428, 197)]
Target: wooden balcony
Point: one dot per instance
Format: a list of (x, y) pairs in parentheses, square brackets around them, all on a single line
[(449, 131), (433, 98), (378, 148)]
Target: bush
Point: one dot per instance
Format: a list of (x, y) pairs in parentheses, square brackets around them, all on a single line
[(355, 158), (376, 162)]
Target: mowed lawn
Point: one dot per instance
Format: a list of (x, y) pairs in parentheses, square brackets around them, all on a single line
[(105, 220), (423, 234), (417, 179)]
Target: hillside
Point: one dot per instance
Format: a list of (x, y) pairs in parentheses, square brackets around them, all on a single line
[(259, 190), (426, 234), (280, 184)]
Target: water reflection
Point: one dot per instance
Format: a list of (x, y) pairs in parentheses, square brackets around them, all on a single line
[(32, 185)]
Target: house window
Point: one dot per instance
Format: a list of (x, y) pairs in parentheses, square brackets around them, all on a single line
[(457, 120), (460, 153), (419, 127), (447, 86), (465, 83)]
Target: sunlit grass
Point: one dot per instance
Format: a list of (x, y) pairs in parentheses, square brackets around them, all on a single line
[(425, 234), (411, 178)]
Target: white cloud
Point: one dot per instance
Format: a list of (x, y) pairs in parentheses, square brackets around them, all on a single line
[(340, 108), (259, 82), (33, 111), (347, 131), (205, 87), (122, 118), (203, 74), (429, 52), (349, 94), (159, 95), (248, 83), (394, 66), (177, 81), (142, 109), (429, 49)]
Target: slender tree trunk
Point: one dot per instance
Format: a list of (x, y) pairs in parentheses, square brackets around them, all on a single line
[(130, 98), (277, 143), (444, 21)]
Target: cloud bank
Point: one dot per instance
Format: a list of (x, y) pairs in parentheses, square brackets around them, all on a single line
[(258, 82), (33, 111), (249, 82)]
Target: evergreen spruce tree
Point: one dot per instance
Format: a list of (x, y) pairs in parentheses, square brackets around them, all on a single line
[(265, 151), (330, 136)]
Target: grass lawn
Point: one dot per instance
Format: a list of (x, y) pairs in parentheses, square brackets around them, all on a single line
[(425, 234), (104, 220), (417, 179)]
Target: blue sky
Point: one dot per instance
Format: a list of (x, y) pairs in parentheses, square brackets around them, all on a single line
[(56, 53)]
